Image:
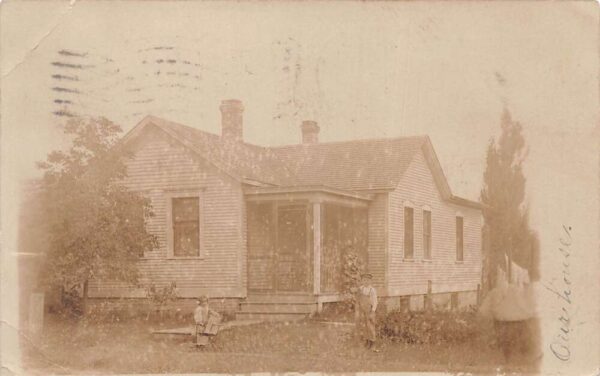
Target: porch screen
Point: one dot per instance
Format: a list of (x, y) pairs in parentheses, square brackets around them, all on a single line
[(292, 252), (186, 227)]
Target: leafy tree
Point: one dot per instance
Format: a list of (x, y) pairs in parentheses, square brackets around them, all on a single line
[(95, 225), (506, 230)]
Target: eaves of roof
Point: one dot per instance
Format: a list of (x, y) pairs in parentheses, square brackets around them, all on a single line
[(308, 189)]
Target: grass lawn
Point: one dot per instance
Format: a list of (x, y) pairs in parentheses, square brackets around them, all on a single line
[(129, 347)]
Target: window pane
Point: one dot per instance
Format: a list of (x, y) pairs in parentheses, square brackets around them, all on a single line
[(185, 209), (459, 238), (426, 222), (408, 233), (186, 239), (186, 226), (426, 234)]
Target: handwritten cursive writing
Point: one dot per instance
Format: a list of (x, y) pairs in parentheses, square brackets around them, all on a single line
[(560, 345)]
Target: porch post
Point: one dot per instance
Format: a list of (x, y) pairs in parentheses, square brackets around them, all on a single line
[(316, 247)]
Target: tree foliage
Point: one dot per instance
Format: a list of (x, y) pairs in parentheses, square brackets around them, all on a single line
[(96, 226), (505, 211)]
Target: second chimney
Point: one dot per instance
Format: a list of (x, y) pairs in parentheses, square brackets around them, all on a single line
[(310, 132), (231, 120)]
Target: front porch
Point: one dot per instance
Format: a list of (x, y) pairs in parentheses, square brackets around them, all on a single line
[(297, 240)]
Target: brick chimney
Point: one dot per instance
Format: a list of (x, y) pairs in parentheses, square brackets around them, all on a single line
[(310, 132), (231, 120)]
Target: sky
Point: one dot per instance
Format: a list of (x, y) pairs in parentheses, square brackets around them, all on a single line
[(360, 69)]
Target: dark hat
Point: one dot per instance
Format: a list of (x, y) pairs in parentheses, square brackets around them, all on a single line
[(367, 276)]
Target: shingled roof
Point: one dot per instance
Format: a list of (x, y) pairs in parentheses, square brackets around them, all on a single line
[(240, 160), (351, 165), (376, 164)]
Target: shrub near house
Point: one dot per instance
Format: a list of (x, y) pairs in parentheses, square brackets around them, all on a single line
[(430, 327)]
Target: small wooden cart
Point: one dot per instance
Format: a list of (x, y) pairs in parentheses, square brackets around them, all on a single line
[(204, 332)]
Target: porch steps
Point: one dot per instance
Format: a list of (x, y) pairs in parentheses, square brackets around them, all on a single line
[(276, 307), (294, 299)]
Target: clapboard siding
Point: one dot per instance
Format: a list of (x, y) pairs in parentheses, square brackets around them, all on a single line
[(377, 244), (160, 169), (418, 188)]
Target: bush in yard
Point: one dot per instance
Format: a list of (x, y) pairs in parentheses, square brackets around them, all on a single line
[(95, 226), (430, 327), (159, 298), (336, 312), (352, 271)]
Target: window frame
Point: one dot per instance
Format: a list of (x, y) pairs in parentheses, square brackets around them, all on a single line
[(427, 252), (171, 225), (459, 240), (410, 256)]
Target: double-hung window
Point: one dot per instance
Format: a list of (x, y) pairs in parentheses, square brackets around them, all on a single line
[(427, 234), (409, 240), (459, 239), (185, 214)]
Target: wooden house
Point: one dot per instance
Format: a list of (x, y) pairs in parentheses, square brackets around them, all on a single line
[(255, 227)]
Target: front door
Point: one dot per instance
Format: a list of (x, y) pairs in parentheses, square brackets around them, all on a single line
[(291, 261)]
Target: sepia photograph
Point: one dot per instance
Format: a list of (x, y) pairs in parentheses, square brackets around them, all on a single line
[(192, 187)]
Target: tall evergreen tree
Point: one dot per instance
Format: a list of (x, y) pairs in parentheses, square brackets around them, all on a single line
[(506, 230)]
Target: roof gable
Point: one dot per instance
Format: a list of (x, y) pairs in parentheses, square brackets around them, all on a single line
[(440, 180), (436, 169), (239, 160)]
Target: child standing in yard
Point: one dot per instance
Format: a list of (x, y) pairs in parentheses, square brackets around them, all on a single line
[(365, 307), (202, 314)]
